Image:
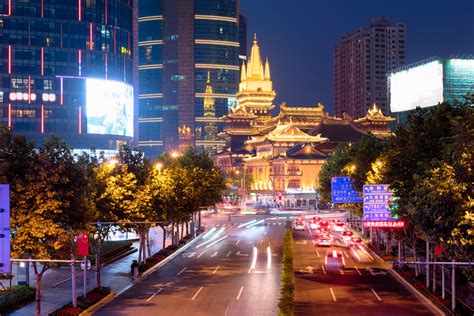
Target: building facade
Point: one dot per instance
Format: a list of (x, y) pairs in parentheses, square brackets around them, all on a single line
[(429, 82), (361, 64), (188, 60), (68, 69)]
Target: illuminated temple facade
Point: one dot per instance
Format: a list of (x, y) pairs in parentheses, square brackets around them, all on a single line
[(283, 154)]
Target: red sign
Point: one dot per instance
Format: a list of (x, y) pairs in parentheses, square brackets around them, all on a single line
[(83, 244), (438, 250), (384, 224)]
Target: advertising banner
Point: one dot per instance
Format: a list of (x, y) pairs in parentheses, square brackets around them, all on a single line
[(5, 229)]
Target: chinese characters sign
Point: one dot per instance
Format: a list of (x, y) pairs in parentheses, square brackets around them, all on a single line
[(4, 228), (381, 224), (343, 192), (376, 198)]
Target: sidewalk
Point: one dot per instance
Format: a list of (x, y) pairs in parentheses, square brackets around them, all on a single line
[(56, 285)]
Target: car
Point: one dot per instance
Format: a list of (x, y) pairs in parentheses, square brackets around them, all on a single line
[(359, 253), (334, 260), (323, 241), (355, 241), (347, 234), (323, 224), (316, 219), (298, 225)]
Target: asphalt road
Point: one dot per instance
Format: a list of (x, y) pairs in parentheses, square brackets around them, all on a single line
[(359, 289), (229, 277)]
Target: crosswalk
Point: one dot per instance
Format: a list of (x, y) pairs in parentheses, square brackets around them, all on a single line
[(229, 225)]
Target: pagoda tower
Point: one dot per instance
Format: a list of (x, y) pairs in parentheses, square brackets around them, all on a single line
[(256, 92), (210, 111)]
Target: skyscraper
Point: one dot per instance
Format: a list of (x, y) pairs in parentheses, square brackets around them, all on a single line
[(188, 71), (67, 69), (361, 64)]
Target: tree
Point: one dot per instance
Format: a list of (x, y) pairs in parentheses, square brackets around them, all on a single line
[(48, 210), (333, 167)]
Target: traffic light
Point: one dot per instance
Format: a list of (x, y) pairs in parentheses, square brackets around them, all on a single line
[(393, 206)]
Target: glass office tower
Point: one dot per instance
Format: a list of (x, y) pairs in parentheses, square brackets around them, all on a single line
[(188, 72), (67, 69)]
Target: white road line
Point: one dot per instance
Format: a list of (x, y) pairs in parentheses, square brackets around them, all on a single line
[(332, 294), (197, 293), (265, 233), (237, 242), (324, 270), (314, 243), (154, 294), (240, 293), (357, 270), (345, 254), (228, 254), (201, 254), (341, 271), (184, 269), (317, 252), (376, 295), (215, 270)]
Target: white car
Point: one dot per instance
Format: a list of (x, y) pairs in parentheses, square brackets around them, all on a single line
[(298, 225), (313, 225), (334, 260)]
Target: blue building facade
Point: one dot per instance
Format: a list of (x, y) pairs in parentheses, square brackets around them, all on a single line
[(188, 71), (49, 50)]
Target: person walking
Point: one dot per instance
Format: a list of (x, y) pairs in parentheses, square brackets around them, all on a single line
[(134, 268)]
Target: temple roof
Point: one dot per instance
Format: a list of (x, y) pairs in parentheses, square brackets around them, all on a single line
[(287, 133), (239, 112), (305, 151), (338, 131), (375, 114)]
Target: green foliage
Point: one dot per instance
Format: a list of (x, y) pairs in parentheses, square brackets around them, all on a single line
[(333, 167), (17, 296), (286, 303)]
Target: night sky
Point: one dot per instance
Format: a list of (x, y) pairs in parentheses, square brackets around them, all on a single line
[(299, 37)]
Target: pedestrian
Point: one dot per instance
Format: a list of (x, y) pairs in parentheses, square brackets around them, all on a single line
[(134, 267)]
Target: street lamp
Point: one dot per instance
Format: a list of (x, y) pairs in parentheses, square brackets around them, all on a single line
[(174, 154), (159, 166), (112, 162)]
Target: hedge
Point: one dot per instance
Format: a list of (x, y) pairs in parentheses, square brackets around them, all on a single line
[(286, 303), (18, 295)]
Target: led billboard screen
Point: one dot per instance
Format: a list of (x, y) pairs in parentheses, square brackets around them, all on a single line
[(109, 107), (418, 86)]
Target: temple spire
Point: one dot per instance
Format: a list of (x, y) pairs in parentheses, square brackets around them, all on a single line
[(243, 73), (255, 67), (267, 69)]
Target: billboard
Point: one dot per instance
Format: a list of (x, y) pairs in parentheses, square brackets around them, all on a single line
[(109, 107), (5, 228), (418, 86), (343, 192)]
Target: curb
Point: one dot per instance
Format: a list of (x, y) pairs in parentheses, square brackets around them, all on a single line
[(93, 308), (431, 306)]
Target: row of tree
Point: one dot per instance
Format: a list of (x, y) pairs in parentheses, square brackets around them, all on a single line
[(429, 164), (55, 195)]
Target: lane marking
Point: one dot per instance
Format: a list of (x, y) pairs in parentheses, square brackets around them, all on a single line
[(154, 294), (357, 270), (324, 270), (345, 254), (197, 293), (265, 233), (376, 295), (215, 242), (215, 270), (240, 293), (201, 254), (341, 271), (332, 294), (228, 254), (184, 269), (237, 242), (314, 243), (317, 252)]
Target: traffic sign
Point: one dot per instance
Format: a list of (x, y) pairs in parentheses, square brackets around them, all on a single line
[(342, 191), (376, 206), (87, 265)]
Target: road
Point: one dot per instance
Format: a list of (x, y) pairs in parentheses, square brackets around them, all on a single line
[(359, 289), (236, 275)]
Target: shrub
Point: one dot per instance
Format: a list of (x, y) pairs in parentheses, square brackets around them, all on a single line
[(142, 267), (172, 248), (19, 295), (286, 303), (182, 242)]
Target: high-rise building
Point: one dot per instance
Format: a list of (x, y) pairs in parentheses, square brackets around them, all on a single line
[(361, 64), (67, 69), (188, 71)]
